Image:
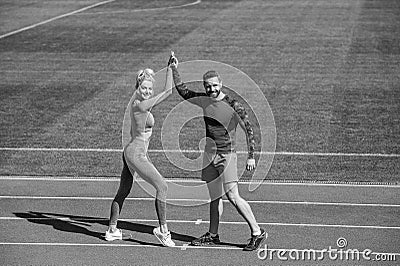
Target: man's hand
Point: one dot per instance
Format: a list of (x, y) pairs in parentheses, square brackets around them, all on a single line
[(251, 164), (173, 61)]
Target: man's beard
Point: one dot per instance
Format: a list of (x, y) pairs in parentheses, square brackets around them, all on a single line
[(209, 92)]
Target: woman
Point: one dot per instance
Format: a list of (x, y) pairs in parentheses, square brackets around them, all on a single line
[(135, 158)]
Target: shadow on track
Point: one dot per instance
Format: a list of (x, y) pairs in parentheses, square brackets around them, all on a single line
[(78, 224)]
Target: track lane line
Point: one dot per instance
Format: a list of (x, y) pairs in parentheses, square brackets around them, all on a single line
[(109, 245), (196, 180), (207, 222), (340, 154), (142, 10), (206, 201), (180, 247), (89, 7), (55, 18)]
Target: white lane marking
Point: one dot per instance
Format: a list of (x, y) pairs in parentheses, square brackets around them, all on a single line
[(198, 151), (55, 18), (183, 247), (207, 222), (206, 201), (142, 10), (197, 181), (60, 71)]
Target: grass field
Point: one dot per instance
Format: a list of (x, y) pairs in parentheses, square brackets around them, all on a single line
[(330, 71)]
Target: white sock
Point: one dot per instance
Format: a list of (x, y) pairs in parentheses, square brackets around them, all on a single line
[(112, 228), (256, 233)]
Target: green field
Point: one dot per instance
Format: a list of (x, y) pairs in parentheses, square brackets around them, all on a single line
[(329, 69)]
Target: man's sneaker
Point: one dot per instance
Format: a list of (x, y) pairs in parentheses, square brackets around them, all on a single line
[(116, 235), (255, 241), (164, 238), (206, 239)]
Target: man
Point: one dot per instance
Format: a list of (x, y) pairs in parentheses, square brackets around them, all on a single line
[(221, 115)]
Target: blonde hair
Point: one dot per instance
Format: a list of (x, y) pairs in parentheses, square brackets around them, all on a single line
[(142, 75)]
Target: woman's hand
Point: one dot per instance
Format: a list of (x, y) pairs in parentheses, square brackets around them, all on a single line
[(173, 61)]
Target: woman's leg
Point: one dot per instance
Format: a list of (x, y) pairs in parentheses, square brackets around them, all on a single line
[(125, 186), (150, 174), (146, 170)]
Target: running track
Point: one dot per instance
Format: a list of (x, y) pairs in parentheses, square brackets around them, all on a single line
[(59, 221), (48, 221)]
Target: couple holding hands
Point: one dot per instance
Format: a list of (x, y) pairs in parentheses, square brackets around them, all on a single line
[(221, 115)]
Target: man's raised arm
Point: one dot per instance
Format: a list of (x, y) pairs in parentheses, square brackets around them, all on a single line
[(181, 87)]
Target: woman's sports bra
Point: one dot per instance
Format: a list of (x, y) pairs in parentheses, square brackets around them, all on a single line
[(142, 123)]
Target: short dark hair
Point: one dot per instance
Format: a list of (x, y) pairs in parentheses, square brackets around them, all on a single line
[(211, 74)]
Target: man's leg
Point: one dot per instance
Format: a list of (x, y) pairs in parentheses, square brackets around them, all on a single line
[(216, 206), (209, 174), (227, 166), (258, 235), (241, 205)]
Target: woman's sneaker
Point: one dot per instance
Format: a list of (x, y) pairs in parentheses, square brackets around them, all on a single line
[(111, 236), (164, 238), (206, 239)]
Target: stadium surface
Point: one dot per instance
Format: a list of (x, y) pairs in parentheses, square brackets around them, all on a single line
[(329, 71)]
